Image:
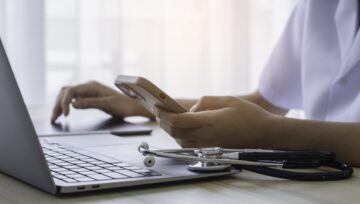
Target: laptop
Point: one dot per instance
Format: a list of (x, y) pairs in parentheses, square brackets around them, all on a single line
[(59, 168)]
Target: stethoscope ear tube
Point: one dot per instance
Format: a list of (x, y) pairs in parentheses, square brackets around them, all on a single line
[(287, 155), (342, 171)]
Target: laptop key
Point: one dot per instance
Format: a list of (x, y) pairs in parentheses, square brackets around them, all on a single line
[(79, 169), (94, 167), (115, 175), (63, 157), (70, 160), (56, 161), (114, 168), (69, 180), (129, 173), (89, 160), (99, 177), (70, 167), (60, 170), (63, 163), (102, 171), (142, 171), (105, 165), (122, 164), (77, 162), (68, 172), (76, 176), (85, 165), (54, 154), (89, 172), (82, 157), (96, 162), (52, 166), (132, 167), (60, 176), (84, 179), (74, 155)]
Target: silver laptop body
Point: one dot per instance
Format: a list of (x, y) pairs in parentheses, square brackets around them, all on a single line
[(56, 167)]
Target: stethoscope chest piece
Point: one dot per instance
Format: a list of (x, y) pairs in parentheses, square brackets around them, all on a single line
[(213, 152)]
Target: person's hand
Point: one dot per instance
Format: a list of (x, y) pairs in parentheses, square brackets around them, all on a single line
[(218, 121), (95, 95)]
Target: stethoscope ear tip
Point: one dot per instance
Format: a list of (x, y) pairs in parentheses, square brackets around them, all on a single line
[(143, 146), (149, 161)]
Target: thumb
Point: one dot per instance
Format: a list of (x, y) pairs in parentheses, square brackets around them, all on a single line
[(212, 103), (90, 102)]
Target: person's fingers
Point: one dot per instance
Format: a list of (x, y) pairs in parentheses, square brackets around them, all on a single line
[(184, 137), (178, 132), (167, 128), (67, 94), (92, 102), (55, 114), (57, 107), (213, 103), (189, 144), (182, 120), (89, 89), (66, 99)]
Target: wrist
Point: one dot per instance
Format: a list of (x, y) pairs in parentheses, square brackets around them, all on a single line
[(271, 130)]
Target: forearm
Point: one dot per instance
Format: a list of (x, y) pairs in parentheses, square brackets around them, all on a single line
[(341, 138), (262, 102), (254, 98)]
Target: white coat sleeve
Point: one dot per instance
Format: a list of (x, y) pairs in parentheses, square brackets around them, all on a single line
[(280, 82)]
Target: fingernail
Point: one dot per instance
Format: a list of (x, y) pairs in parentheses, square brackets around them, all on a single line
[(76, 102)]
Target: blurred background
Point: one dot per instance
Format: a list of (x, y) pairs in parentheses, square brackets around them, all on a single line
[(189, 48)]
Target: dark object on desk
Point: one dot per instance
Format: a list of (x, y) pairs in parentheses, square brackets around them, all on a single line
[(82, 126)]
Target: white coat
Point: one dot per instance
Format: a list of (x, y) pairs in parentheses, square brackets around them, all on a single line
[(315, 66)]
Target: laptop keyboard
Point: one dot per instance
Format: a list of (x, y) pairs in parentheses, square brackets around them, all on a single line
[(69, 165)]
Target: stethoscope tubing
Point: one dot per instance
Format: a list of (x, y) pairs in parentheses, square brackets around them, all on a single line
[(344, 171), (265, 167), (166, 154)]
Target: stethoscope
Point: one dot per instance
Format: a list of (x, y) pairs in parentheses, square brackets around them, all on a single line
[(275, 163)]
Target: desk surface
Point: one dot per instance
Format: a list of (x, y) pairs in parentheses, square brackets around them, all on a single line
[(246, 187)]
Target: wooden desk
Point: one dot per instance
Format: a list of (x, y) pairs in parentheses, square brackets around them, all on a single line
[(246, 187)]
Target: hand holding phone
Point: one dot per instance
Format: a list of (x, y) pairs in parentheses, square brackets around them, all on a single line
[(147, 94)]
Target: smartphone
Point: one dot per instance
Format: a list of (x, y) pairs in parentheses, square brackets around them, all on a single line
[(147, 93)]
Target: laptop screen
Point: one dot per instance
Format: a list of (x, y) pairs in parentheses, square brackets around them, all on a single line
[(20, 153)]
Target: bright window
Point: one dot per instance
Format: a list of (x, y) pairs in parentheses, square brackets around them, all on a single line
[(188, 47)]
